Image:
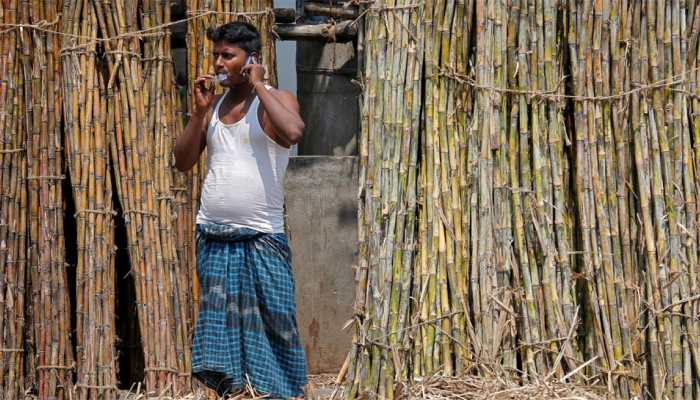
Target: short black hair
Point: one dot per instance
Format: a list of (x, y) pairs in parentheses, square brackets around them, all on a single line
[(238, 33)]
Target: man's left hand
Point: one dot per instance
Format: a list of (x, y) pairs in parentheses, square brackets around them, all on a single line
[(254, 72)]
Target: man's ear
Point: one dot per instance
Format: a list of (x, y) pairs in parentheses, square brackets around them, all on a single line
[(255, 56)]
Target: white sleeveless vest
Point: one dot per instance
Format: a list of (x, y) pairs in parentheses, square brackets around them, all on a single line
[(244, 181)]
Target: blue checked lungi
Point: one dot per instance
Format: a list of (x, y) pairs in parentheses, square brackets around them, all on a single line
[(246, 330)]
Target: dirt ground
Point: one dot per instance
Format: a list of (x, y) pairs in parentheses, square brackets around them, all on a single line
[(322, 387)]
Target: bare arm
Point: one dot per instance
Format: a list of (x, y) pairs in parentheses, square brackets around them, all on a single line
[(190, 143), (281, 109)]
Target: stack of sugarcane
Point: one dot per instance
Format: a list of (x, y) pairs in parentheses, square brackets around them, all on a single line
[(556, 227), (606, 216), (140, 146), (34, 334), (439, 282), (636, 189), (538, 179), (207, 14), (184, 204), (185, 200), (13, 207), (163, 115), (47, 278), (393, 54), (666, 190), (491, 265), (87, 139)]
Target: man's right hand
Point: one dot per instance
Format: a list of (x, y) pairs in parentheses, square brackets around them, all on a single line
[(203, 96), (190, 143)]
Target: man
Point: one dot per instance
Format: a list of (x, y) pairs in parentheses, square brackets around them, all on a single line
[(246, 332)]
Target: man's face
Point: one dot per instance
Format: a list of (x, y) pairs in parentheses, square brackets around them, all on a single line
[(229, 59)]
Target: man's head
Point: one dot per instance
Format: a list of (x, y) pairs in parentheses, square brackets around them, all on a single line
[(234, 42), (239, 34)]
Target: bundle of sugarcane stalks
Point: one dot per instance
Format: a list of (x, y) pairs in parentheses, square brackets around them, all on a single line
[(35, 316), (88, 98), (528, 194), (87, 156), (13, 211)]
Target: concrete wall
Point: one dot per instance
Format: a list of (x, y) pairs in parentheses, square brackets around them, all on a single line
[(328, 98), (321, 200)]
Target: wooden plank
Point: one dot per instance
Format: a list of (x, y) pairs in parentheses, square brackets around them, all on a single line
[(331, 10), (285, 15), (340, 32)]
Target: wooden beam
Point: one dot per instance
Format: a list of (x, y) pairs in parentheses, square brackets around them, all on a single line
[(330, 10), (341, 32), (285, 15)]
